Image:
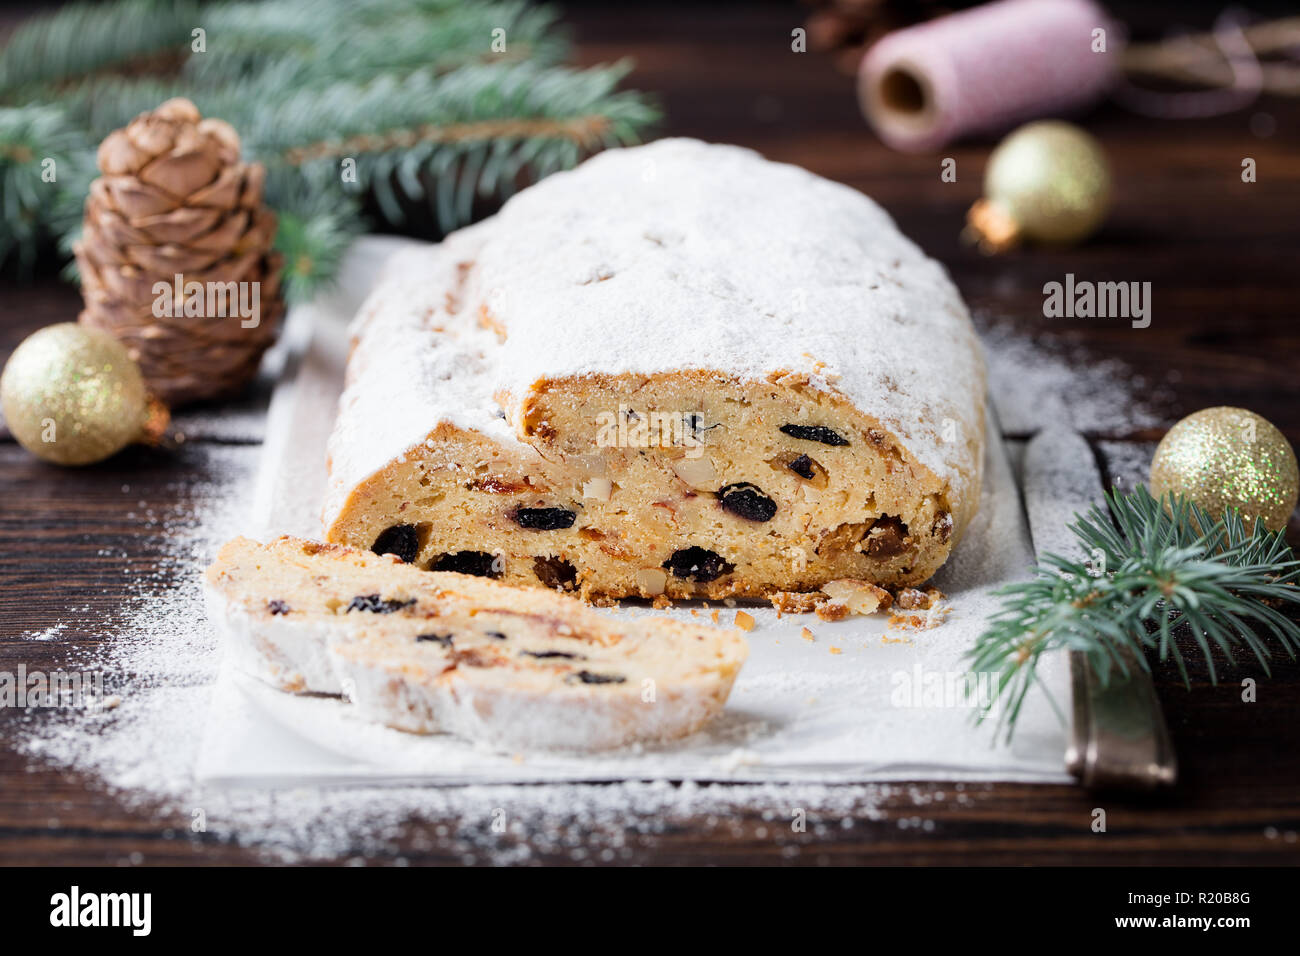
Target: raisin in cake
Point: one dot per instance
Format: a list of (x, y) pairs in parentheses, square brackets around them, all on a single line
[(505, 667), (678, 370)]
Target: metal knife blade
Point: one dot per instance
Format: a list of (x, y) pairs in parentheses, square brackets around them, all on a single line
[(1118, 737)]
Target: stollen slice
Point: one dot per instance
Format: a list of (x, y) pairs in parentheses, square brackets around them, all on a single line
[(428, 652)]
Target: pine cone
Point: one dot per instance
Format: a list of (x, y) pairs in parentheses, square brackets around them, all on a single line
[(175, 200)]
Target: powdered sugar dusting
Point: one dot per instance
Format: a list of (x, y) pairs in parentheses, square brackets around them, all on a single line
[(1033, 386), (49, 634), (676, 255), (442, 368)]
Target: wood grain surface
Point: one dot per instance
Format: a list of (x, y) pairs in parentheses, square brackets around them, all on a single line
[(1223, 258)]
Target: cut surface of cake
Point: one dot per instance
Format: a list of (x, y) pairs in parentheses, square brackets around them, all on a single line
[(679, 370), (502, 666)]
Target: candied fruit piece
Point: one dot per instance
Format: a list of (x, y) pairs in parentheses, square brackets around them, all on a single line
[(497, 485), (887, 538), (842, 539)]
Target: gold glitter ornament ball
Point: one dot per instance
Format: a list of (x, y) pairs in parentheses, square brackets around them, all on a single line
[(1048, 181), (1228, 457), (72, 395)]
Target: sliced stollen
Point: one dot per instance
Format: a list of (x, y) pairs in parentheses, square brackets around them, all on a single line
[(429, 652), (676, 371)]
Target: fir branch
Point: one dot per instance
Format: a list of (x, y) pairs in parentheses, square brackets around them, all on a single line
[(481, 130), (475, 103), (411, 90), (337, 39), (39, 153), (1163, 574), (316, 227), (586, 131), (306, 42), (84, 40)]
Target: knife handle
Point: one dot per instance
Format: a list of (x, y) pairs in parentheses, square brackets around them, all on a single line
[(1118, 738)]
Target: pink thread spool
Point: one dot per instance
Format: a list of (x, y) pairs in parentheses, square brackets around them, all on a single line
[(986, 69)]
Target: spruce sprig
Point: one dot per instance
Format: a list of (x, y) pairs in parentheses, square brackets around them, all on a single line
[(413, 94), (1160, 575), (46, 55), (346, 39), (38, 147)]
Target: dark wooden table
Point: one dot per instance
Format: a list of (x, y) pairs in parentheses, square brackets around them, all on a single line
[(1222, 259)]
